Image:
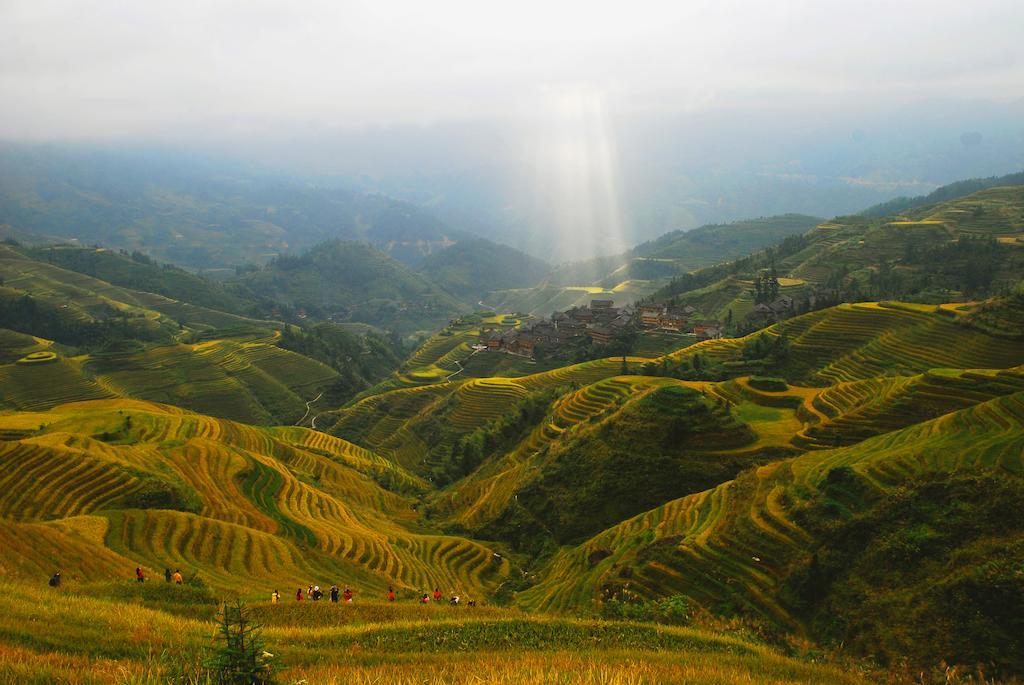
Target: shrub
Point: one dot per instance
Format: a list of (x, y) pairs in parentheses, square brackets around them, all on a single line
[(676, 610), (768, 383)]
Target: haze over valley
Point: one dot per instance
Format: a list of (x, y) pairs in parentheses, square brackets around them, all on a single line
[(376, 343)]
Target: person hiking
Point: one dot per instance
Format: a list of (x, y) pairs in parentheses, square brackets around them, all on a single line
[(334, 593), (55, 579), (309, 592), (317, 595), (437, 594), (471, 603), (391, 594), (140, 577), (454, 601), (347, 595), (275, 596), (425, 599), (167, 575), (178, 580), (298, 595)]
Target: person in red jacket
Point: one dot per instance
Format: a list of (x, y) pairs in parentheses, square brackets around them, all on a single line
[(437, 594), (298, 595), (139, 575), (347, 595), (391, 594)]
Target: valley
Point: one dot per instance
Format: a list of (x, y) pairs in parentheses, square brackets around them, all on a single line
[(696, 485)]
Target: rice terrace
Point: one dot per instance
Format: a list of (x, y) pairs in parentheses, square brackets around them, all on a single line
[(570, 343)]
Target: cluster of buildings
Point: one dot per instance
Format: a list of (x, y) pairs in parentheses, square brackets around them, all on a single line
[(780, 307), (602, 321), (678, 320)]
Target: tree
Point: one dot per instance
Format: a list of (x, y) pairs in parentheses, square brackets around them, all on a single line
[(240, 657)]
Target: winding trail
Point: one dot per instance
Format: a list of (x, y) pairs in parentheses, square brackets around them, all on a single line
[(313, 422), (449, 377)]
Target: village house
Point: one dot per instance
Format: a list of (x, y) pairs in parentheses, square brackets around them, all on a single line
[(672, 321), (581, 314), (779, 307), (600, 334), (620, 322), (602, 304), (707, 330), (650, 314), (660, 316), (524, 344)]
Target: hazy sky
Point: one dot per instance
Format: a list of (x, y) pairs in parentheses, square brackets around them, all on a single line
[(201, 68)]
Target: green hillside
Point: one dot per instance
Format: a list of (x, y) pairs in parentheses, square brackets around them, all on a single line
[(136, 271), (644, 270), (943, 194), (471, 268), (714, 243), (115, 341), (762, 544), (349, 281)]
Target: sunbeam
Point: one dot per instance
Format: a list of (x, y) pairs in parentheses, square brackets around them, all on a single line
[(576, 176)]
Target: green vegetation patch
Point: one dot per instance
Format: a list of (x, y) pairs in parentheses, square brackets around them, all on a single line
[(934, 571), (40, 357), (769, 383)]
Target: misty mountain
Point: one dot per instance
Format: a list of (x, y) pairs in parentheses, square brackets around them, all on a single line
[(199, 213)]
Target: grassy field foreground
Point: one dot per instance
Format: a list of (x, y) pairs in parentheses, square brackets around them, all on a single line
[(79, 634)]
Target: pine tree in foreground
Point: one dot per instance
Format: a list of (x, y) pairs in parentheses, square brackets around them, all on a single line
[(240, 657)]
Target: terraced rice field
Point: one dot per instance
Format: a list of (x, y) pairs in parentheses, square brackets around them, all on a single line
[(731, 543), (856, 410), (868, 340), (486, 493), (480, 400), (31, 387), (241, 380), (989, 212), (89, 298), (382, 422), (286, 504), (14, 345)]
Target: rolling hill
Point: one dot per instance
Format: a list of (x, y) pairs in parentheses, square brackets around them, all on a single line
[(963, 248), (739, 546), (238, 504), (643, 270), (114, 341), (849, 477), (715, 243), (349, 281)]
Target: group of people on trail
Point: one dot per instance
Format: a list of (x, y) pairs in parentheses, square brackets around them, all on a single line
[(437, 597), (314, 594), (140, 577), (169, 577), (176, 577)]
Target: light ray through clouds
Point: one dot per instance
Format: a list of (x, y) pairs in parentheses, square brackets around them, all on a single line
[(577, 180)]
